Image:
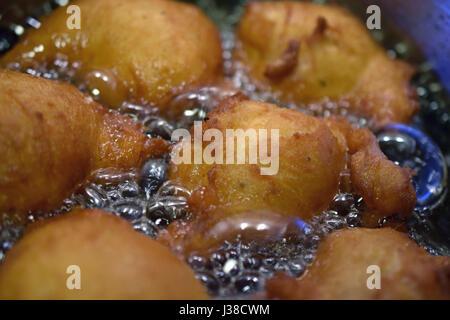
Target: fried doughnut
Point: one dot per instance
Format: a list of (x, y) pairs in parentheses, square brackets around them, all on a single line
[(339, 270), (52, 137), (309, 54), (115, 262), (307, 149), (315, 157), (138, 51)]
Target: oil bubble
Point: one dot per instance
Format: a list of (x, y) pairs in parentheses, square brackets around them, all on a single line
[(259, 226)]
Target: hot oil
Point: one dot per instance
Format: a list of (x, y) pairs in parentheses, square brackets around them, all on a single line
[(238, 267)]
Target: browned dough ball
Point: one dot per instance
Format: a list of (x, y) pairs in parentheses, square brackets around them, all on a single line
[(311, 54), (340, 269), (138, 51), (114, 260), (52, 137)]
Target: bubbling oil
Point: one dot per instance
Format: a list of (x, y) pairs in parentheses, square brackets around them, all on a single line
[(239, 266), (236, 267)]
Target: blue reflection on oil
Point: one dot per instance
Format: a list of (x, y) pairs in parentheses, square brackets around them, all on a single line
[(409, 146)]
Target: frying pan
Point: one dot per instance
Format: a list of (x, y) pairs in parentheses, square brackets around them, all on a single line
[(416, 30)]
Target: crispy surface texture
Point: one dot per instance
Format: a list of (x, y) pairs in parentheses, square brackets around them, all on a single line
[(339, 270), (140, 51), (317, 159), (52, 136), (115, 261), (307, 52), (307, 149)]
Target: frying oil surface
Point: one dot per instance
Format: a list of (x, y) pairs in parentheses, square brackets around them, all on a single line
[(238, 267)]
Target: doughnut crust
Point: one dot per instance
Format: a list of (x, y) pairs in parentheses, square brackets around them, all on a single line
[(52, 137), (139, 51), (310, 161), (339, 270), (311, 54), (115, 262)]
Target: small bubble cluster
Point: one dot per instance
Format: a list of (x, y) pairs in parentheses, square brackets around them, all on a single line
[(238, 268), (198, 103), (195, 105), (59, 69), (145, 198), (24, 14), (435, 105), (10, 232), (156, 126)]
